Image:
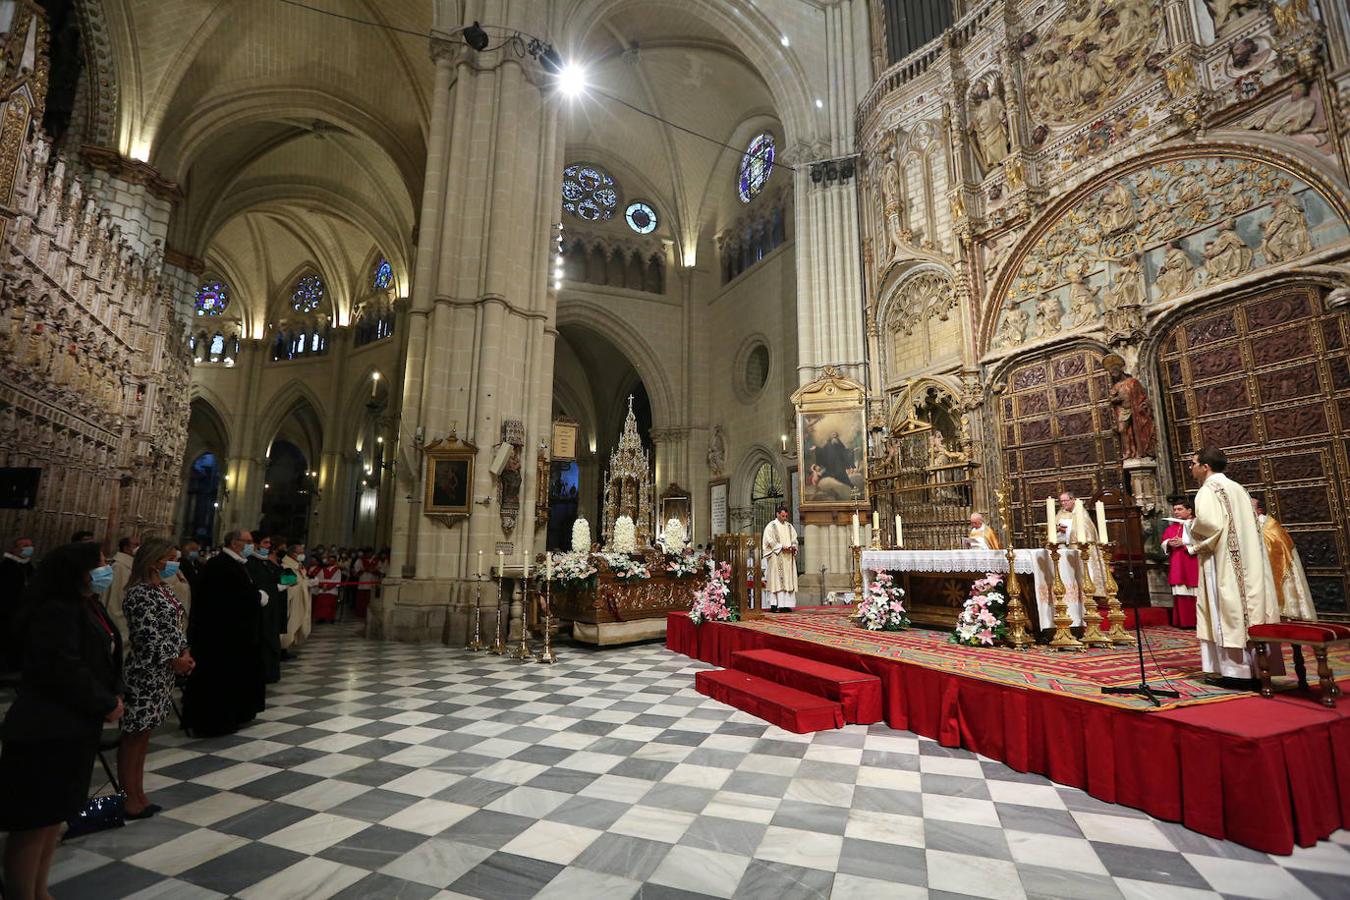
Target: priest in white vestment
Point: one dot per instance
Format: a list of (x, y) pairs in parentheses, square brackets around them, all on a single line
[(1073, 525), (981, 536), (299, 604), (780, 562), (1237, 589)]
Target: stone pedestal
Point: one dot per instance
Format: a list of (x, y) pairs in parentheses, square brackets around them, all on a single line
[(1142, 475)]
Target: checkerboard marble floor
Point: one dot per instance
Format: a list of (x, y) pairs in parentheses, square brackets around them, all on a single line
[(388, 770)]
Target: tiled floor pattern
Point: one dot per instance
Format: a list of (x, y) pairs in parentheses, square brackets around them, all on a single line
[(387, 770)]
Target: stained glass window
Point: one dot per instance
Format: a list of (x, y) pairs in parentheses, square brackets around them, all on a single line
[(382, 275), (641, 217), (589, 193), (308, 294), (756, 166), (212, 298)]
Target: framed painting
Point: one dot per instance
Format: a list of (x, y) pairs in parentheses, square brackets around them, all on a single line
[(449, 478), (832, 435)]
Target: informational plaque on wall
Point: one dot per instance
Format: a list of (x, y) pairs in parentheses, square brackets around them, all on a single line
[(565, 440), (717, 507)]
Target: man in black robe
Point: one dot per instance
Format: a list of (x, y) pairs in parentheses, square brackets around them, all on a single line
[(264, 567), (226, 690)]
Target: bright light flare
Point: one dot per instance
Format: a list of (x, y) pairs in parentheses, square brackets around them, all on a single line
[(572, 80)]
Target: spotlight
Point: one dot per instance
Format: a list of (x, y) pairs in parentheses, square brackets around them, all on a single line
[(820, 104), (476, 37), (572, 80), (784, 41)]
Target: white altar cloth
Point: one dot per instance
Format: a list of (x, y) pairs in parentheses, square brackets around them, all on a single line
[(1035, 563)]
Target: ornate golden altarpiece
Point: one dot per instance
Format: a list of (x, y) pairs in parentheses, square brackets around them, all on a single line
[(918, 477)]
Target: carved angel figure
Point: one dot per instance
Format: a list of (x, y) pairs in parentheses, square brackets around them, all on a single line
[(1286, 233)]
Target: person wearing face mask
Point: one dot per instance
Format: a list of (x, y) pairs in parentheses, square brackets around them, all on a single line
[(157, 652), (266, 572), (191, 562), (70, 685), (121, 563), (298, 600), (226, 688), (16, 567)]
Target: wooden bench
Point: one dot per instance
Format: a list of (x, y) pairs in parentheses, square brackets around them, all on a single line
[(1320, 636)]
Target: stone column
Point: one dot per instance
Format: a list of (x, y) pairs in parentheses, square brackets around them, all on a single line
[(480, 346)]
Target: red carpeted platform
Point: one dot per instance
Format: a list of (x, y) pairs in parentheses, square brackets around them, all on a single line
[(857, 692), (1264, 773), (786, 707)]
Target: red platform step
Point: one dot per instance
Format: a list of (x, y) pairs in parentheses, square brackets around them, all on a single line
[(857, 692), (785, 707)]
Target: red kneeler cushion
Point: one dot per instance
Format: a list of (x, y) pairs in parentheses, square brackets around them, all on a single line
[(1311, 632)]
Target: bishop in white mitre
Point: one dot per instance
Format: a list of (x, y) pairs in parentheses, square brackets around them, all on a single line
[(1237, 589), (780, 562)]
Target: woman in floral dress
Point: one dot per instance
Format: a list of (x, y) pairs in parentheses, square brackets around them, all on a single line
[(157, 653)]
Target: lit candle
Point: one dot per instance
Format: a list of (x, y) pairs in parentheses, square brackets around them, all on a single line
[(480, 563), (1101, 523), (1049, 520), (856, 542), (527, 566), (785, 443), (899, 533)]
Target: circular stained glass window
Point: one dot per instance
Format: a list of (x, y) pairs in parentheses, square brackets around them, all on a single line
[(382, 275), (641, 218), (308, 294), (756, 167), (212, 298), (589, 193)]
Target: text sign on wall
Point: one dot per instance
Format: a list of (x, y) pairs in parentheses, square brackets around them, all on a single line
[(717, 508)]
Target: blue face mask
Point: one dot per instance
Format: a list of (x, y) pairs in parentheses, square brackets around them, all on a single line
[(247, 552), (170, 569), (26, 552), (101, 579)]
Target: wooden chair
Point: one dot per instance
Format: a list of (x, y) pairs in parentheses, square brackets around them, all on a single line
[(1320, 636)]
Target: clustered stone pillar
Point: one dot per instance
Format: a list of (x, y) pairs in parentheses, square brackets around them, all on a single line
[(481, 326)]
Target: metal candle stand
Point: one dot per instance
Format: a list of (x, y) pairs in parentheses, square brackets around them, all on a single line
[(475, 643), (1115, 616), (857, 574), (1017, 615), (1092, 617), (1063, 639), (546, 654), (498, 647), (522, 650)]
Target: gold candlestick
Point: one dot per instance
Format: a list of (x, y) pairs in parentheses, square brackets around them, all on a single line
[(857, 574), (1115, 616), (1092, 617), (522, 650), (1017, 614), (546, 655), (1063, 639), (475, 643), (498, 647)]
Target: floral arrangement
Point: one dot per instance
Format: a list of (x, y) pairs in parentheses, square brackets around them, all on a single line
[(574, 570), (625, 535), (982, 622), (624, 567), (710, 600), (686, 564), (581, 535), (882, 607), (673, 538)]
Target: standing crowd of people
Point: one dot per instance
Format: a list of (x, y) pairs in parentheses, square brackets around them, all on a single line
[(95, 640)]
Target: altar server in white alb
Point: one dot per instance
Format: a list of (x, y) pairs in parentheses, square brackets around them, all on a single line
[(780, 562), (1237, 589)]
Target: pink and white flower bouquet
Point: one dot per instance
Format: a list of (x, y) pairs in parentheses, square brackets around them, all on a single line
[(982, 622), (685, 564), (626, 568), (883, 605), (710, 600)]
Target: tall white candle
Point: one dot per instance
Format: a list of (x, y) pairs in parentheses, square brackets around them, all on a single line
[(1101, 523), (480, 563), (856, 542), (548, 558), (899, 533), (527, 567), (876, 522), (1049, 520)]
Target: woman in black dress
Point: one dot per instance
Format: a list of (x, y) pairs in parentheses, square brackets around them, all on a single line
[(157, 650), (70, 686)]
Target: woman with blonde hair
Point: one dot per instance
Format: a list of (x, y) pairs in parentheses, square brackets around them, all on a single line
[(157, 653)]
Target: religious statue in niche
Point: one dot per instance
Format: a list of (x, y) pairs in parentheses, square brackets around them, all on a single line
[(892, 207), (1087, 58), (1050, 315), (1134, 418), (1286, 231), (717, 451), (989, 126), (509, 479), (1176, 273), (1227, 256), (1117, 212)]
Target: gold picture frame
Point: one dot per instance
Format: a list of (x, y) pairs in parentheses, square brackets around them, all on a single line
[(832, 437), (566, 433), (449, 478)]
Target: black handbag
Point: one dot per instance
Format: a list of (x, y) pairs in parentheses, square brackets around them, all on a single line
[(101, 812)]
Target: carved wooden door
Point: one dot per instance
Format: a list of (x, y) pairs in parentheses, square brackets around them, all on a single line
[(1268, 381), (1057, 434)]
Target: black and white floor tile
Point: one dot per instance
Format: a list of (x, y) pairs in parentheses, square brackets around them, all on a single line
[(401, 771)]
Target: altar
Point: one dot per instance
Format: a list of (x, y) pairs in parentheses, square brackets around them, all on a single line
[(937, 582), (616, 611)]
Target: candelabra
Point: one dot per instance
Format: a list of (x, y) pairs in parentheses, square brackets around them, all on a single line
[(546, 655), (498, 647), (1063, 639), (475, 643), (522, 650), (1115, 616), (1017, 614), (1092, 631)]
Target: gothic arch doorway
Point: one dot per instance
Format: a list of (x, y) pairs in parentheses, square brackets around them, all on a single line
[(1267, 379)]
